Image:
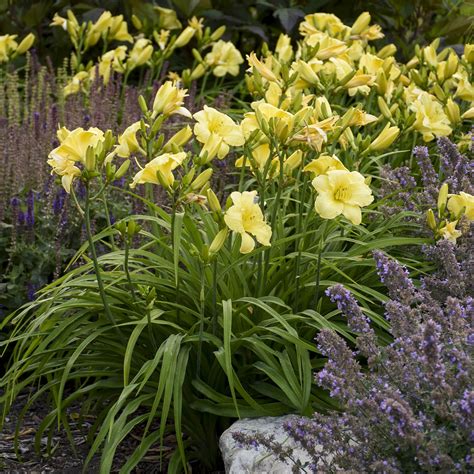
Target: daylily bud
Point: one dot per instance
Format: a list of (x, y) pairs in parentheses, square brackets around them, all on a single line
[(430, 219), (197, 72), (469, 114), (387, 51), (307, 73), (218, 33), (137, 23), (439, 92), (347, 117), (453, 112), (201, 180), (122, 170), (218, 241), (381, 82), (323, 108), (26, 44), (90, 159), (361, 23), (185, 37), (386, 137), (263, 70), (442, 199), (214, 203), (188, 177), (142, 104), (109, 171), (384, 107), (469, 53), (179, 139), (451, 65)]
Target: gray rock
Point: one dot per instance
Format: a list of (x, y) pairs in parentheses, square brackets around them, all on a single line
[(239, 460)]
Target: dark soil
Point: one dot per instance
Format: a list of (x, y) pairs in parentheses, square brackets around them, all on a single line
[(63, 458)]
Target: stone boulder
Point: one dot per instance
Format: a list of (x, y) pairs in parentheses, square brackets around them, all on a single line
[(239, 460)]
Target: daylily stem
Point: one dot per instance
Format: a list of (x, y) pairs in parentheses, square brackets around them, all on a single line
[(100, 284)]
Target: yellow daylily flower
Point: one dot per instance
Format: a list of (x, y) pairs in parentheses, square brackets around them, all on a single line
[(168, 19), (127, 142), (465, 89), (259, 160), (112, 60), (76, 83), (74, 144), (212, 147), (370, 63), (211, 121), (283, 48), (118, 30), (65, 168), (360, 118), (342, 192), (96, 29), (169, 100), (449, 232), (165, 164), (246, 218), (431, 121), (263, 68), (323, 164), (59, 21), (469, 114), (140, 53), (73, 148), (462, 203), (281, 121), (7, 46), (362, 29), (162, 38), (224, 58), (328, 47), (198, 25), (312, 135), (322, 22)]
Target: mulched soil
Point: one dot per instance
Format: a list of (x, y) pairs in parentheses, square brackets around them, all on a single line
[(63, 459)]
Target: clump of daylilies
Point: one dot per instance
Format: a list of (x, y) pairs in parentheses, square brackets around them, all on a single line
[(323, 110)]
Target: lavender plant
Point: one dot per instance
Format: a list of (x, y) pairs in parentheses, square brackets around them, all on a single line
[(412, 410)]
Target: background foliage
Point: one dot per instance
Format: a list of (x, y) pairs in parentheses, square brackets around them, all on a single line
[(406, 22)]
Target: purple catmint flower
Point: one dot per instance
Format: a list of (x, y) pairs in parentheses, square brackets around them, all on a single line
[(21, 218), (395, 277), (30, 213), (36, 119), (348, 306), (58, 202), (459, 171), (30, 291), (429, 177)]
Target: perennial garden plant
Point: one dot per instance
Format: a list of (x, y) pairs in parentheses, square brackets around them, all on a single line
[(237, 218)]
